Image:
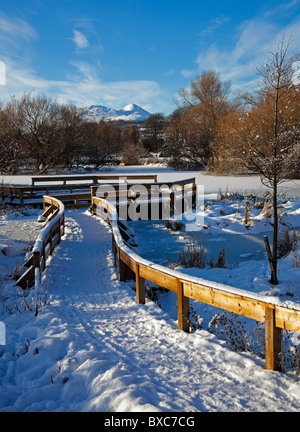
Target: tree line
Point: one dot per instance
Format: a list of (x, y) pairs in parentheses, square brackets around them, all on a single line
[(212, 128), (255, 132), (38, 134)]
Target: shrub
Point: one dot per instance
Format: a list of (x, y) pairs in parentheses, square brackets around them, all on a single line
[(174, 225), (287, 243)]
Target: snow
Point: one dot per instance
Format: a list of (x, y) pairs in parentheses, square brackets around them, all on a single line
[(130, 112), (47, 227), (18, 232), (212, 184), (224, 228), (92, 348)]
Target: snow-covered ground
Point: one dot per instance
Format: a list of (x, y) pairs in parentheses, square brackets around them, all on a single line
[(94, 349), (211, 183), (18, 232), (246, 265), (223, 227)]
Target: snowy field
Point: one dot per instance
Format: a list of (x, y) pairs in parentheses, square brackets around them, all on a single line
[(92, 348), (212, 184)]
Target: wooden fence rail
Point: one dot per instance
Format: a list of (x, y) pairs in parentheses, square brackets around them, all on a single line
[(49, 237), (50, 185), (275, 316), (156, 198), (93, 178)]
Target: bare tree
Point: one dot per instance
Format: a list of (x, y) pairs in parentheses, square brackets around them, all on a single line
[(40, 131), (132, 147), (153, 133), (188, 142), (9, 138), (73, 138), (265, 137), (205, 104), (102, 142)]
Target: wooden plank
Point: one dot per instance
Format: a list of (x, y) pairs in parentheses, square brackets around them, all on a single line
[(28, 262), (48, 211), (162, 279), (128, 260), (225, 300), (53, 214), (93, 178), (55, 241), (288, 319), (26, 280)]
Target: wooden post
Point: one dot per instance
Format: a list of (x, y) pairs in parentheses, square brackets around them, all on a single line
[(172, 203), (21, 196), (122, 271), (247, 212), (194, 195), (270, 258), (50, 242), (272, 340), (62, 222), (114, 250), (182, 309), (36, 262), (140, 286)]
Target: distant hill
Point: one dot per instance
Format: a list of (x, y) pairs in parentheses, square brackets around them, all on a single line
[(130, 112)]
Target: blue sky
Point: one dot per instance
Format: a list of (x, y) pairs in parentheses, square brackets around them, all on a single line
[(118, 52)]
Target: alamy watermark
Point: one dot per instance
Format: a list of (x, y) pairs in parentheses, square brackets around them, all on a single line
[(156, 202), (296, 73), (2, 73), (2, 333)]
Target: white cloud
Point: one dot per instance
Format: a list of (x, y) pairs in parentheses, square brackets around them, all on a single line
[(187, 73), (15, 34), (15, 28), (255, 39), (80, 40), (83, 88), (214, 24)]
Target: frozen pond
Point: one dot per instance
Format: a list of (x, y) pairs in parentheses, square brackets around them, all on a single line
[(158, 244)]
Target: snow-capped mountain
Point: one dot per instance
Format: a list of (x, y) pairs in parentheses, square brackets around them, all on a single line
[(130, 112)]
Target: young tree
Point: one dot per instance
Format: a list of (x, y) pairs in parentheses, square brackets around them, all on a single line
[(132, 148), (266, 138), (73, 138), (188, 143), (154, 126), (205, 105), (279, 135), (103, 142)]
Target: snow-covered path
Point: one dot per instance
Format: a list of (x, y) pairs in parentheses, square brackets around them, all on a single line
[(94, 349)]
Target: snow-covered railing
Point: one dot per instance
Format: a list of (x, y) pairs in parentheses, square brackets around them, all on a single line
[(49, 237), (159, 198), (92, 178), (76, 186), (275, 315)]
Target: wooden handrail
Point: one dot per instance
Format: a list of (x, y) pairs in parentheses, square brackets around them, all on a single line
[(272, 313), (49, 237), (56, 184), (93, 177)]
